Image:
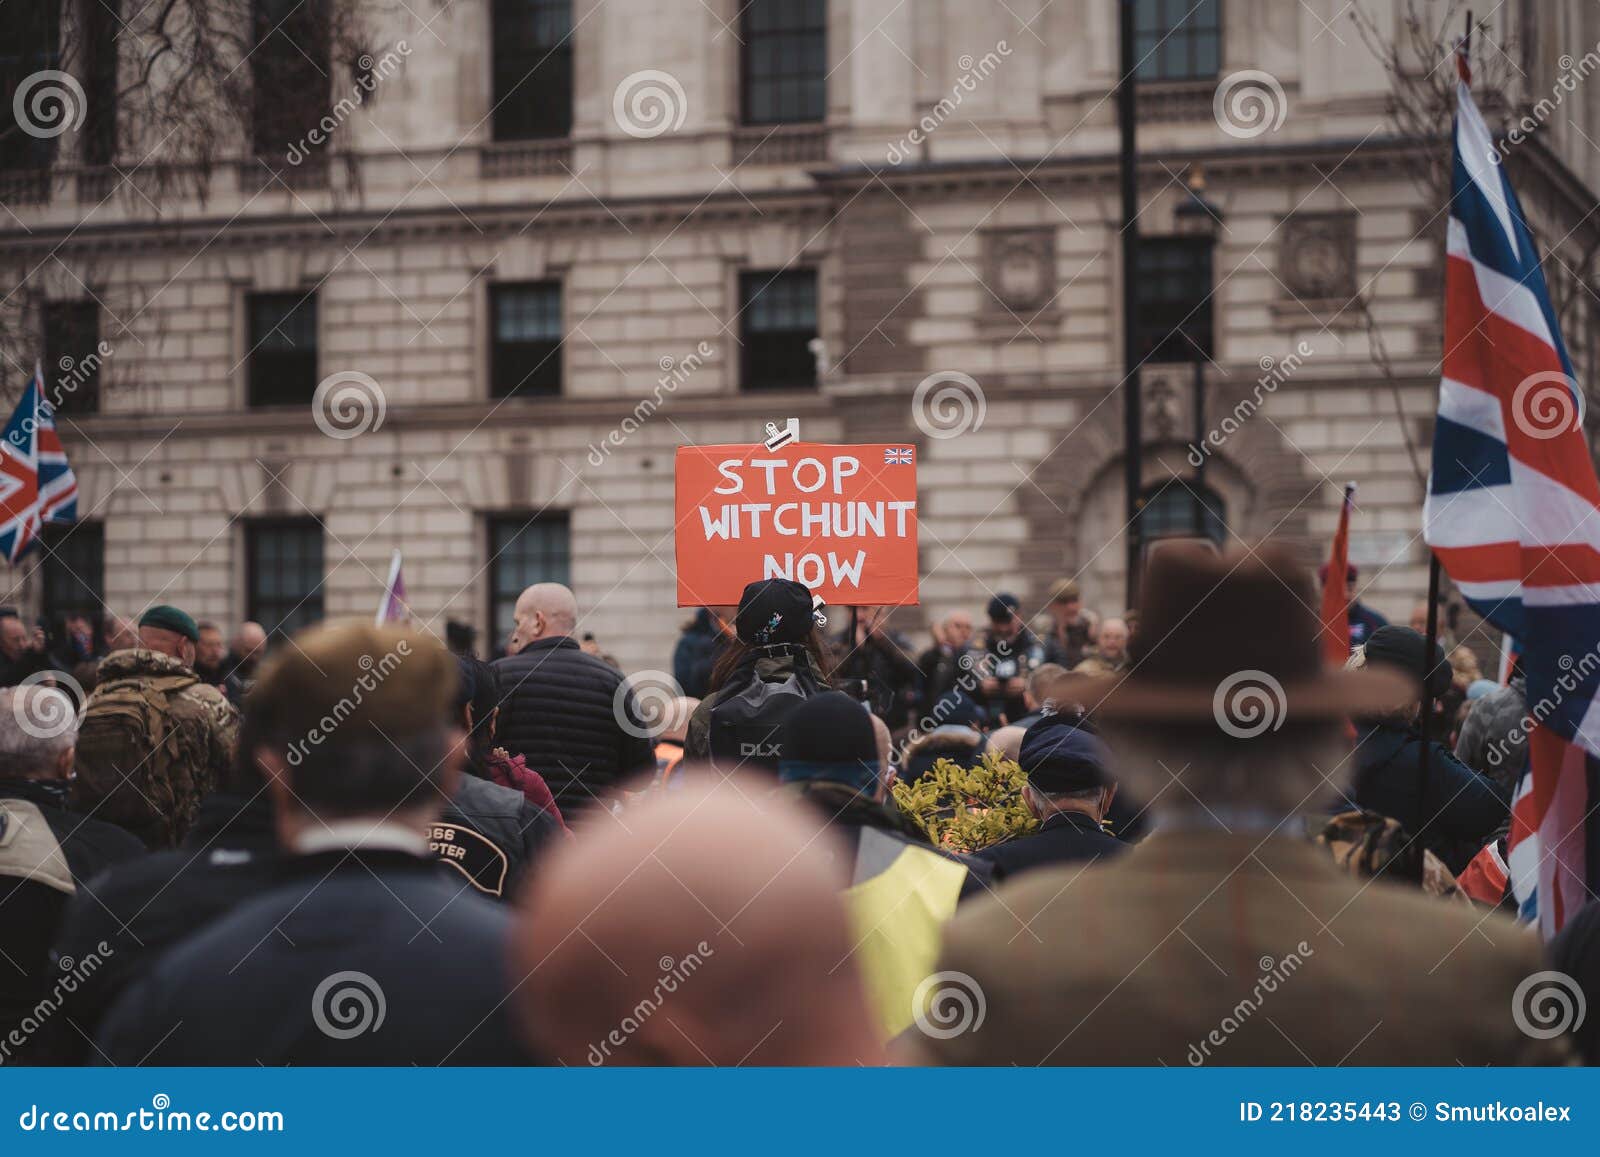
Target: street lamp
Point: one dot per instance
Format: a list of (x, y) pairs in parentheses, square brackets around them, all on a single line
[(1198, 216)]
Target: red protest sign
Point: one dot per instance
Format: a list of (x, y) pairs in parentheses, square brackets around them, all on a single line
[(841, 519)]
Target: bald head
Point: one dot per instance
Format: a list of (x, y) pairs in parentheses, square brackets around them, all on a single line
[(640, 946), (1113, 639), (250, 641), (1008, 741), (544, 611)]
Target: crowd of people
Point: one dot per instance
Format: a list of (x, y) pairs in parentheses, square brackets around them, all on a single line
[(362, 846)]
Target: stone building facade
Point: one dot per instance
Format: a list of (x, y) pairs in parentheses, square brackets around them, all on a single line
[(951, 183)]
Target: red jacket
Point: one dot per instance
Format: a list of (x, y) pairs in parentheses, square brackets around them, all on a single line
[(513, 771)]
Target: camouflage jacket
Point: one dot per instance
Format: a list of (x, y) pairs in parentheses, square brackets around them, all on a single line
[(152, 742)]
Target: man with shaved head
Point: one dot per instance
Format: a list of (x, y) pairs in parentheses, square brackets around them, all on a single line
[(637, 945), (566, 712), (249, 648)]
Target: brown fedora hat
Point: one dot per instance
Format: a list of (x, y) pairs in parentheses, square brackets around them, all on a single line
[(1234, 637)]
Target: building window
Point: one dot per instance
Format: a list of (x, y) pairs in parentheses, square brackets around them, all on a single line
[(102, 20), (30, 42), (785, 61), (777, 323), (290, 72), (532, 69), (523, 549), (525, 338), (283, 569), (1173, 292), (282, 358), (72, 356), (1178, 39), (1179, 509), (73, 570)]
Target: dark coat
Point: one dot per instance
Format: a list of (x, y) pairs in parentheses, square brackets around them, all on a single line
[(948, 741), (941, 669), (1363, 621), (884, 662), (491, 835), (1063, 838), (395, 954), (1454, 810), (39, 838), (1005, 659), (558, 711), (769, 666), (30, 662), (145, 907), (696, 654), (231, 855), (1069, 648)]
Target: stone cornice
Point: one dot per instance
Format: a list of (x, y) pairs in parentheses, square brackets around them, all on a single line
[(1065, 174), (601, 414)]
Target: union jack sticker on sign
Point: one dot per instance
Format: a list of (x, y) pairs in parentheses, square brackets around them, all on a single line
[(897, 456)]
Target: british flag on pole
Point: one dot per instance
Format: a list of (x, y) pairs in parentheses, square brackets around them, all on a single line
[(36, 484), (1513, 511)]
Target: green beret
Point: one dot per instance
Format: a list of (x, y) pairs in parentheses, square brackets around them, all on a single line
[(345, 680), (171, 619)]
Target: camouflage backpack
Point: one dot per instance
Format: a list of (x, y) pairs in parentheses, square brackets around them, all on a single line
[(144, 756)]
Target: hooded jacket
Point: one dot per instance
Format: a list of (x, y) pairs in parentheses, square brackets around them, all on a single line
[(770, 667), (954, 741)]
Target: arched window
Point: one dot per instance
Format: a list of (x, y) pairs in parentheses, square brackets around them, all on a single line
[(1179, 508)]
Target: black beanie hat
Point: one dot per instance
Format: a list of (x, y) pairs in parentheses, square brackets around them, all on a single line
[(1403, 648), (830, 737), (774, 611)]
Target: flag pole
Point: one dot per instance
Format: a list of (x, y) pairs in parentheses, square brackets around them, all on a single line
[(1431, 639), (388, 589)]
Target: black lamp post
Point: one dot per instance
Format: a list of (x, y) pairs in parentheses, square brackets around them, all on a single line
[(1198, 216)]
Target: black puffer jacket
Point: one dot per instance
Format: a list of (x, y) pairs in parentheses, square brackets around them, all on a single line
[(558, 710)]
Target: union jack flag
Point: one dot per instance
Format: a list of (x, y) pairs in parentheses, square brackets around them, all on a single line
[(36, 484), (1511, 508), (897, 456)]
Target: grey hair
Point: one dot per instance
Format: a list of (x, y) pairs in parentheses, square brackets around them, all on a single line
[(37, 724)]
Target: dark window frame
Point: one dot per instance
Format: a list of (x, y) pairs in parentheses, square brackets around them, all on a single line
[(1206, 514), (531, 90), (102, 23), (791, 90), (302, 610), (772, 357), (528, 367), (291, 63), (30, 42), (59, 542), (1173, 44), (281, 377), (71, 330), (501, 594), (1175, 327)]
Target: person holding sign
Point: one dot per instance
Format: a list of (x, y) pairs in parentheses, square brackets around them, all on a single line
[(776, 662)]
